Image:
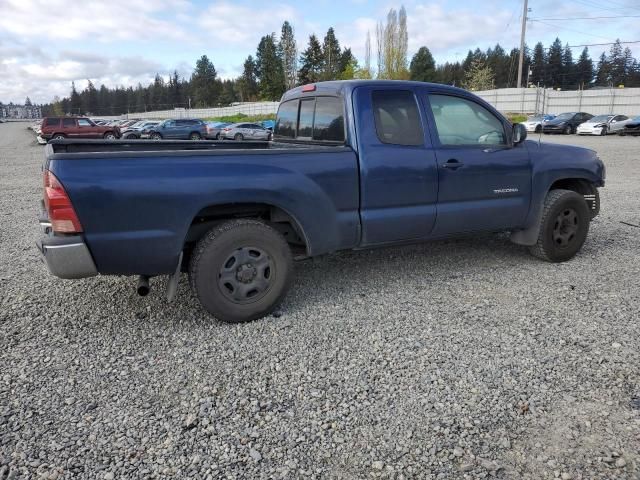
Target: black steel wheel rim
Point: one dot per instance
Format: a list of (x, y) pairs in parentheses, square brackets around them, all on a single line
[(565, 227), (246, 275)]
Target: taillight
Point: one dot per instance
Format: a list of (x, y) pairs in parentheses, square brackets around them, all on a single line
[(62, 216)]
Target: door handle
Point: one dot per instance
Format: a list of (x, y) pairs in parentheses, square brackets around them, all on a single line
[(453, 164)]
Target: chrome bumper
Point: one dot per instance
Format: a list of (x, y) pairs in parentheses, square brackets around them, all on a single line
[(66, 257)]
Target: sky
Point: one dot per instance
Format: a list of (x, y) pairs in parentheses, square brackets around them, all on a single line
[(45, 45)]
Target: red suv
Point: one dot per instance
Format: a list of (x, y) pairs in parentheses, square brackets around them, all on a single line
[(76, 127)]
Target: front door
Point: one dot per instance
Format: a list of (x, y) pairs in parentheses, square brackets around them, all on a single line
[(398, 173), (484, 181)]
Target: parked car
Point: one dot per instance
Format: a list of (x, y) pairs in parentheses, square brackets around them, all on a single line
[(566, 123), (410, 162), (602, 125), (138, 129), (75, 127), (214, 128), (181, 129), (245, 131), (534, 123), (632, 127)]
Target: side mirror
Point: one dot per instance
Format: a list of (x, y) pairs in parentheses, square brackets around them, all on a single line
[(519, 133)]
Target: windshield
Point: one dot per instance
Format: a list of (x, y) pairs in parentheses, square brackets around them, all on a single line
[(564, 116), (601, 118)]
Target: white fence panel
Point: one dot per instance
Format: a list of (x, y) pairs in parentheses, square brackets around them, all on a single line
[(255, 108)]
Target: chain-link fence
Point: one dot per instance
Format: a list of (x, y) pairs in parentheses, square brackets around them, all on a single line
[(255, 108)]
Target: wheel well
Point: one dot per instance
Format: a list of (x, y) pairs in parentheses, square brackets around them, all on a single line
[(584, 188), (275, 217)]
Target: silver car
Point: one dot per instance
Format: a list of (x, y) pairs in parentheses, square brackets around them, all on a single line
[(603, 124), (245, 131)]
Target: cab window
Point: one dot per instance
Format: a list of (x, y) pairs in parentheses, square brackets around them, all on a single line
[(463, 122), (396, 117)]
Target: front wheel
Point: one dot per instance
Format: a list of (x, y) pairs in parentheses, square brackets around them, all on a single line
[(155, 136), (563, 227), (538, 129), (604, 131), (238, 137), (195, 136), (241, 270), (109, 136), (58, 136), (567, 130)]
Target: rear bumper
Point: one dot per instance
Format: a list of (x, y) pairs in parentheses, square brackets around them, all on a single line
[(66, 257)]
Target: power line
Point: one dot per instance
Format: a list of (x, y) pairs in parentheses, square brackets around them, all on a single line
[(570, 29), (584, 18), (600, 44)]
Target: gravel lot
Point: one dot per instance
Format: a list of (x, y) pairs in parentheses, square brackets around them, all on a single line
[(457, 359)]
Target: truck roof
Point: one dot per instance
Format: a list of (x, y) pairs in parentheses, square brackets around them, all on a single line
[(340, 87)]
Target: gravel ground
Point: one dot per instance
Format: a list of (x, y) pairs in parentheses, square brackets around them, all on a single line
[(457, 359)]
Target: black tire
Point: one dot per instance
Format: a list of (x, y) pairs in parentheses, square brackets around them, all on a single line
[(604, 131), (58, 136), (564, 226), (568, 130), (238, 137), (217, 136), (109, 136), (622, 134), (155, 136), (538, 129), (195, 136), (234, 250)]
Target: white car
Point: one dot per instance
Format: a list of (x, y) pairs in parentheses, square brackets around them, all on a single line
[(603, 124), (534, 124)]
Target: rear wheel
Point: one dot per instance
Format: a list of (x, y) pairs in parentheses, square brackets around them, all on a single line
[(564, 226), (58, 136), (155, 136), (241, 270), (195, 136), (604, 131), (217, 136), (238, 137), (568, 130), (538, 129)]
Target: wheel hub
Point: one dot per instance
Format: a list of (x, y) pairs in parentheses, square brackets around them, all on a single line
[(565, 227), (246, 273)]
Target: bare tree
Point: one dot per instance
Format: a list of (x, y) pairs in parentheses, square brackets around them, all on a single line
[(367, 56), (392, 39)]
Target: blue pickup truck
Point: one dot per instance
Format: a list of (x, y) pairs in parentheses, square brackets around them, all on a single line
[(352, 165)]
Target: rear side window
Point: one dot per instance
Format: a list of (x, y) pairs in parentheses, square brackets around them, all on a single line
[(287, 119), (68, 122), (53, 122), (305, 120), (396, 117), (329, 120), (314, 118)]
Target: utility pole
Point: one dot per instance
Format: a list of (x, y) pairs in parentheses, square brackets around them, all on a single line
[(522, 34)]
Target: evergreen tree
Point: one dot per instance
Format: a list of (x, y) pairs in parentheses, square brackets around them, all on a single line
[(204, 88), (27, 102), (568, 68), (248, 83), (554, 64), (538, 65), (584, 70), (331, 56), (89, 98), (617, 67), (270, 70), (498, 61), (311, 62), (75, 104), (423, 66), (289, 54), (603, 76)]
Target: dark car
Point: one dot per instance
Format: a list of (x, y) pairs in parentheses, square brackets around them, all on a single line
[(76, 127), (566, 123), (632, 128), (180, 129)]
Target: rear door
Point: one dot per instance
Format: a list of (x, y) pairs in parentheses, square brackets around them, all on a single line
[(69, 127), (86, 129), (398, 171), (484, 181)]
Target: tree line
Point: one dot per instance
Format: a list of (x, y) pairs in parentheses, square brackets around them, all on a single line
[(278, 65)]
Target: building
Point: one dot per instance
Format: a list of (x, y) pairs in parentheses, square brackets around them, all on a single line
[(20, 111)]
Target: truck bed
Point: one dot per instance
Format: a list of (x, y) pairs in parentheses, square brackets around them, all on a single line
[(168, 147)]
